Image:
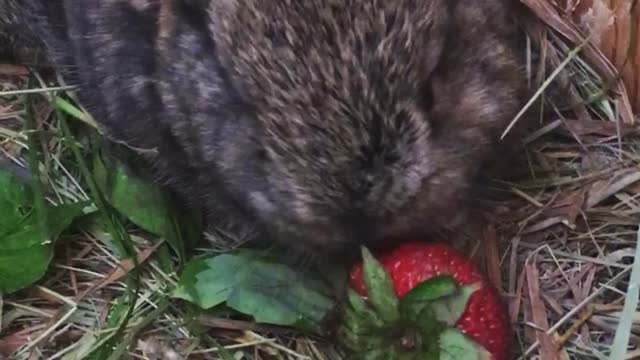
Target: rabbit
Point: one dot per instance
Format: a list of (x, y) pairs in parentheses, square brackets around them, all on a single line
[(322, 125)]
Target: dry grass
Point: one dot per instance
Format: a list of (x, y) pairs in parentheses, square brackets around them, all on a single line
[(569, 241), (561, 245)]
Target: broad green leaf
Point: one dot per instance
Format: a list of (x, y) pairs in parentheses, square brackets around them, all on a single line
[(145, 205), (16, 201), (22, 267), (269, 292), (24, 257), (426, 292), (454, 345), (28, 233), (380, 290), (451, 308), (333, 273)]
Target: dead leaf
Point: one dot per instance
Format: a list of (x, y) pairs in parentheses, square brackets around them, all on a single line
[(539, 312), (122, 269), (603, 189), (602, 128), (491, 255), (156, 348), (11, 343), (597, 19), (564, 25), (13, 70)]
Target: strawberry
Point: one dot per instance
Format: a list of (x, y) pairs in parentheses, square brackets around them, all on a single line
[(432, 300)]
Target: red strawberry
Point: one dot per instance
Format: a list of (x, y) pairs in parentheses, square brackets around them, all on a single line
[(482, 316)]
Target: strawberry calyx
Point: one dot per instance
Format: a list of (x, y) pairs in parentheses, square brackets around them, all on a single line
[(421, 325)]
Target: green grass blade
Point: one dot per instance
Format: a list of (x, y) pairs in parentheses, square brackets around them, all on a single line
[(33, 157), (114, 227), (72, 110), (623, 333)]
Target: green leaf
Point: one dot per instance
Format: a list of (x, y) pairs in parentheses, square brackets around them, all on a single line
[(16, 201), (426, 292), (434, 288), (359, 339), (333, 273), (145, 205), (116, 316), (139, 201), (455, 345), (361, 327), (358, 304), (348, 339), (354, 322), (429, 326), (24, 256), (389, 354), (22, 267), (432, 353), (256, 286), (28, 233), (380, 290), (451, 308), (378, 353), (61, 216)]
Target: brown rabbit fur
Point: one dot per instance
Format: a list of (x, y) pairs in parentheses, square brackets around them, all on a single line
[(323, 124)]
